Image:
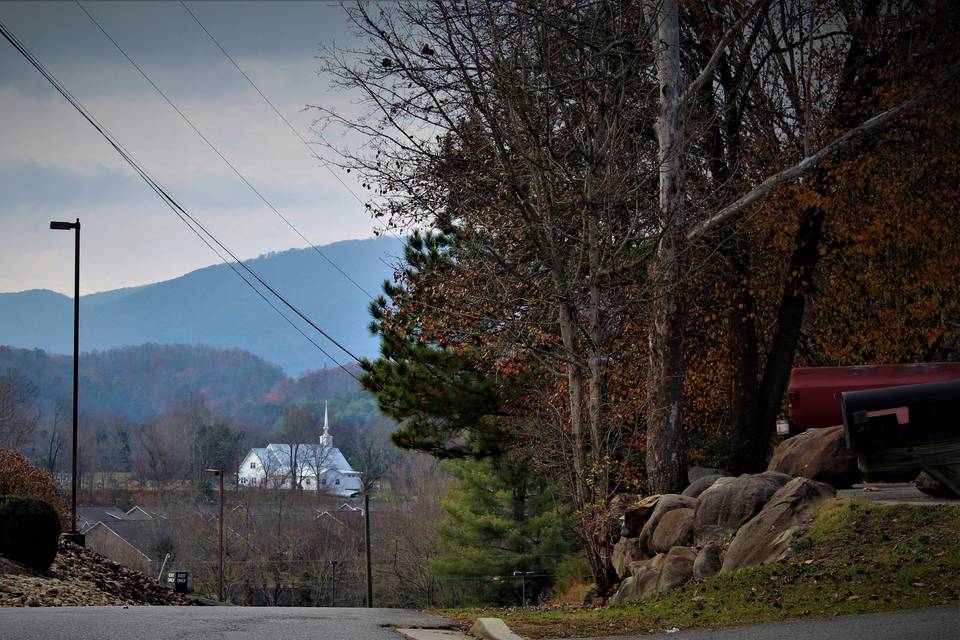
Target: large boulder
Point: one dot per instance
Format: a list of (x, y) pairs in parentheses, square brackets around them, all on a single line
[(625, 552), (667, 503), (698, 486), (646, 575), (636, 514), (730, 502), (817, 454), (663, 572), (642, 581), (768, 537), (675, 529), (708, 562), (677, 568)]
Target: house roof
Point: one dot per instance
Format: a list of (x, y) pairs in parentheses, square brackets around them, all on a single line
[(89, 516), (276, 457), (143, 535)]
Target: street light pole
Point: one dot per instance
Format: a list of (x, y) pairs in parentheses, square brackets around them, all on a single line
[(219, 473), (74, 536), (366, 543), (333, 590)]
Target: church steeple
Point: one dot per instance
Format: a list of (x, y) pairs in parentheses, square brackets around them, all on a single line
[(327, 439)]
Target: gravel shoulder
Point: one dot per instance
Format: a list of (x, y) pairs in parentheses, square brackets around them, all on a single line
[(80, 577)]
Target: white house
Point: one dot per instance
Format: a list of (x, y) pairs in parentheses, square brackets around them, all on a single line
[(319, 467)]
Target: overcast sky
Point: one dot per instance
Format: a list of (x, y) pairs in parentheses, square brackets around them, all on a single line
[(53, 165)]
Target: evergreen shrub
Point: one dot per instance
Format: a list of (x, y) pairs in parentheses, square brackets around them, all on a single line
[(29, 531)]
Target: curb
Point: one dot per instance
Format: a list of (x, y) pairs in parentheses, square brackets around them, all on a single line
[(431, 634), (492, 629)]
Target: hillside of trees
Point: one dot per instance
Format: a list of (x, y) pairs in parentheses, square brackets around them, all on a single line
[(190, 400)]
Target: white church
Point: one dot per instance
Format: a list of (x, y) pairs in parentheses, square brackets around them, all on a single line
[(319, 467)]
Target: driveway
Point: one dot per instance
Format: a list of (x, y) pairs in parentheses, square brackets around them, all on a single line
[(892, 493), (208, 623), (933, 623)]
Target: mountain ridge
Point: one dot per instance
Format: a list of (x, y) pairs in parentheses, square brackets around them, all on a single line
[(211, 306)]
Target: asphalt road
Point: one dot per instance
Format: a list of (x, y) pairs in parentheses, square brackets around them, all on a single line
[(934, 623), (207, 623), (256, 623)]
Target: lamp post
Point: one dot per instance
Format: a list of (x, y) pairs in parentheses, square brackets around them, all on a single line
[(366, 541), (74, 535), (219, 473), (333, 590)]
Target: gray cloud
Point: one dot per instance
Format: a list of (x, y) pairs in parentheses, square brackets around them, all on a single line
[(52, 164)]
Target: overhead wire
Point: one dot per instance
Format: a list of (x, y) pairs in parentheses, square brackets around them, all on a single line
[(178, 210), (296, 133), (293, 129), (213, 147), (314, 154)]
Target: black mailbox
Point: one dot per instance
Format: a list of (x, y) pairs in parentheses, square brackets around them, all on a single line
[(914, 426), (896, 416)]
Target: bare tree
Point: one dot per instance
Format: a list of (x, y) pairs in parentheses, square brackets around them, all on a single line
[(300, 425), (508, 123), (18, 414), (54, 440)]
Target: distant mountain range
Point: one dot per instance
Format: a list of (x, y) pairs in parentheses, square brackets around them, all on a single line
[(212, 306)]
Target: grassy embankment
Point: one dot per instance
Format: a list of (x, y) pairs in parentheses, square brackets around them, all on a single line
[(856, 557)]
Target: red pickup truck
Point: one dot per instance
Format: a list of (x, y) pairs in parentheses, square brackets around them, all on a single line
[(814, 392)]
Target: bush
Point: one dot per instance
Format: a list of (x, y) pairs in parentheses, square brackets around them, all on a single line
[(572, 579), (29, 531), (20, 478)]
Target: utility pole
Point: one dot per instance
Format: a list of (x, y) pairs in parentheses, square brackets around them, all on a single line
[(366, 542), (333, 589), (74, 535), (219, 473)]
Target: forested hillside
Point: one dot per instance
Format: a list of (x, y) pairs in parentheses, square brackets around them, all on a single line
[(220, 401)]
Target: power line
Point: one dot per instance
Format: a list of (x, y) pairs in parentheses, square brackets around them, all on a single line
[(217, 151), (178, 210), (293, 129), (302, 140), (326, 165)]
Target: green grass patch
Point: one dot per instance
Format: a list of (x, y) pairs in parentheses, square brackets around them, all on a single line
[(855, 557)]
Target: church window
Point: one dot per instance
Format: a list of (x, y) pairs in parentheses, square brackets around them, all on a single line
[(253, 465), (338, 481)]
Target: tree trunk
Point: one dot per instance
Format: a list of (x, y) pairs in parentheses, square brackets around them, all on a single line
[(776, 373), (744, 402), (575, 391), (666, 467)]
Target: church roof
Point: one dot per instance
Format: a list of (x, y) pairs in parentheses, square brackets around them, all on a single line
[(276, 457)]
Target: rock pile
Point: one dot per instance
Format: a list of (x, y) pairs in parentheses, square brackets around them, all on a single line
[(80, 577), (719, 524)]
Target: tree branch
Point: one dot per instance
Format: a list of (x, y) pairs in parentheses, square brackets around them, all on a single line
[(868, 127), (728, 37)]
